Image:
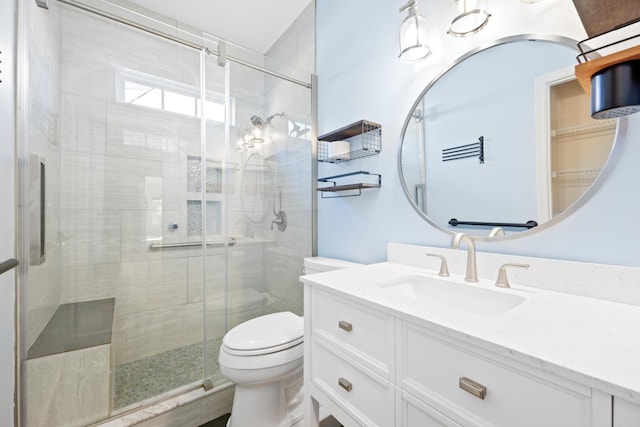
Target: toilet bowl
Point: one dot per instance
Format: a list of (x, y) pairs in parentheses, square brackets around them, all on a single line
[(319, 264), (263, 357)]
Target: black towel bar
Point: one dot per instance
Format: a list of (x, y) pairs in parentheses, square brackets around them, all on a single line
[(529, 224)]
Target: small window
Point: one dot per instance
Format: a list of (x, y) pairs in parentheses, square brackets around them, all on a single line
[(140, 89), (181, 104)]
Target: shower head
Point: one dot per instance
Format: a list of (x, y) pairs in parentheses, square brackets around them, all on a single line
[(258, 121), (258, 127)]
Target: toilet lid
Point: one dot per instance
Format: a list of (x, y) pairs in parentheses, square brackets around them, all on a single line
[(272, 332)]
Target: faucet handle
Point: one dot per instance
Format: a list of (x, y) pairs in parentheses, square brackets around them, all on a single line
[(502, 281), (444, 270)]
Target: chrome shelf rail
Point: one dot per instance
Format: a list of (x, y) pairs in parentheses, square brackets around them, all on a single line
[(197, 46), (232, 241)]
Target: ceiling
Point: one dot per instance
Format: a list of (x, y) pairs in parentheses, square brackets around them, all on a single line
[(253, 24), (599, 16)]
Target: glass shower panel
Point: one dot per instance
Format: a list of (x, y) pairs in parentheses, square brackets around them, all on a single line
[(208, 272), (268, 199)]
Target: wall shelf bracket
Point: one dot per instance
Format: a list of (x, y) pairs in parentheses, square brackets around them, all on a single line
[(353, 188)]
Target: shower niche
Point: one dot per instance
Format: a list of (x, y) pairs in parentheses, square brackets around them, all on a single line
[(213, 196)]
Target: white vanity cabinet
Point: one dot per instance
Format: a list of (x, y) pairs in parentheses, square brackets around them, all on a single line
[(352, 359), (625, 413), (372, 367), (477, 388)]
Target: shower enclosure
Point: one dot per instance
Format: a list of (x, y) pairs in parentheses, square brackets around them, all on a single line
[(155, 214)]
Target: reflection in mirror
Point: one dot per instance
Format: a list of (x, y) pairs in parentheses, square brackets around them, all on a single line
[(503, 137)]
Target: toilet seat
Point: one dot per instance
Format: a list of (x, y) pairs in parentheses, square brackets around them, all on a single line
[(264, 335), (262, 351)]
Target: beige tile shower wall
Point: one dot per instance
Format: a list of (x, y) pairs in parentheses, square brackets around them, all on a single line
[(244, 257), (42, 290), (296, 47)]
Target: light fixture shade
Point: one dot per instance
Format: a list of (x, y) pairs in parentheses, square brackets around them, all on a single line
[(257, 134), (473, 18), (615, 90), (414, 38)]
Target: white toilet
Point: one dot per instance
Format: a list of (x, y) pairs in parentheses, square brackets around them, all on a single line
[(263, 357)]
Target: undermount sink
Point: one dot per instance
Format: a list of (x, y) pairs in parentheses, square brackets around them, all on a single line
[(430, 291)]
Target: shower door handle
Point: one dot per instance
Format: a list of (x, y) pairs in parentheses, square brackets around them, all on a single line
[(8, 265), (37, 211)]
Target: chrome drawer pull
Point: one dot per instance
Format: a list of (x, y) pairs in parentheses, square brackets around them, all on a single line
[(345, 384), (470, 386), (343, 324)]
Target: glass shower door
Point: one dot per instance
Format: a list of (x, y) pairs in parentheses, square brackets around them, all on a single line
[(120, 290)]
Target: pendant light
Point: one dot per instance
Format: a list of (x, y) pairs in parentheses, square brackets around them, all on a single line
[(473, 17), (609, 70), (414, 46), (615, 90)]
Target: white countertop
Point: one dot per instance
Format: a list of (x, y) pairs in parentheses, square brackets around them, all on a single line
[(590, 341)]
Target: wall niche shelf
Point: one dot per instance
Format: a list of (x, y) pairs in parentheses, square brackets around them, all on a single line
[(587, 128), (576, 175), (354, 188), (341, 145)]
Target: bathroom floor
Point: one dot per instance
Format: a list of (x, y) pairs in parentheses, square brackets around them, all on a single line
[(154, 375), (150, 377), (218, 422)]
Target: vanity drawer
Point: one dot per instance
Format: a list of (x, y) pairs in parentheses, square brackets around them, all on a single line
[(362, 394), (432, 368), (365, 334), (414, 413)]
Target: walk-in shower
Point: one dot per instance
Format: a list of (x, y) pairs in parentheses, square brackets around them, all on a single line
[(149, 251)]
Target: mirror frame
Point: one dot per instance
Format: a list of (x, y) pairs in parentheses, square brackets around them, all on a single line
[(611, 162)]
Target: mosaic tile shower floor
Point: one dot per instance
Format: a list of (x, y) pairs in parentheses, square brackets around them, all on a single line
[(163, 372)]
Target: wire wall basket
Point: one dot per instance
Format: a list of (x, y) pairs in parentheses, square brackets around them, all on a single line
[(359, 139)]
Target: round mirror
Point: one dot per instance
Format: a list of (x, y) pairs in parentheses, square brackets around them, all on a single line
[(503, 142)]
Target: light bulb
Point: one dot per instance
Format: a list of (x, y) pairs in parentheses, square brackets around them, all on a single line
[(467, 5), (256, 134), (414, 37)]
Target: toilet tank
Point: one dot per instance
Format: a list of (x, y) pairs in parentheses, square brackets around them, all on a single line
[(318, 264)]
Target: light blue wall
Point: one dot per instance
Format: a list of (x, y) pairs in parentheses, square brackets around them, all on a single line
[(361, 77)]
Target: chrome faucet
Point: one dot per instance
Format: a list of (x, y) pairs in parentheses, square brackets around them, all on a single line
[(472, 270)]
